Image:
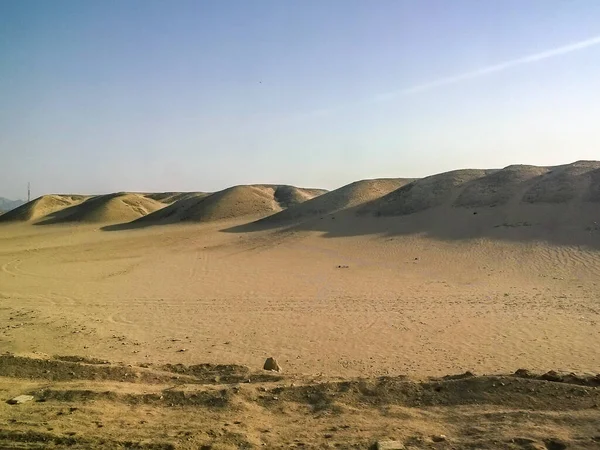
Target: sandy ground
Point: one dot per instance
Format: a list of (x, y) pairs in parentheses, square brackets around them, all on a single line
[(404, 305)]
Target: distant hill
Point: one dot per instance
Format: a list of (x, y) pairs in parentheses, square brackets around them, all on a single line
[(6, 204)]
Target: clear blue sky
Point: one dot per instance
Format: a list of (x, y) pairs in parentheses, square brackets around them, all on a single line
[(113, 95)]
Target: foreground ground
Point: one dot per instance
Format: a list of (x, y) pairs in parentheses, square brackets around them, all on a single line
[(94, 404), (330, 309)]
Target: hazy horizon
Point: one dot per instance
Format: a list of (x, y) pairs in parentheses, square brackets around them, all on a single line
[(198, 96)]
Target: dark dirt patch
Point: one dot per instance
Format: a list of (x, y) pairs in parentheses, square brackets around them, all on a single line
[(53, 370), (81, 359), (32, 439), (220, 373), (490, 390), (212, 399)]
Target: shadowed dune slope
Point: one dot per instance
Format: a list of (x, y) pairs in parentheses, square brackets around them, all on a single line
[(348, 196), (41, 207), (237, 201), (512, 186), (110, 208), (499, 187), (577, 181), (558, 204), (422, 194), (172, 197)]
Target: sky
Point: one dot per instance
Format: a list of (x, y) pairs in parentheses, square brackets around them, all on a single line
[(146, 95)]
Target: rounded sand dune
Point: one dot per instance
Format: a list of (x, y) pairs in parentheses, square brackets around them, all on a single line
[(562, 184), (41, 207), (423, 194), (110, 208), (499, 187), (234, 202), (171, 197), (351, 195)]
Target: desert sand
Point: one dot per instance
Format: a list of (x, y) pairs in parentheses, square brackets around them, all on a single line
[(144, 319)]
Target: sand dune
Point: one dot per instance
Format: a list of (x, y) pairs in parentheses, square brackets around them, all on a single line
[(566, 183), (41, 207), (110, 208), (493, 188), (348, 196), (234, 202), (171, 197), (499, 187), (422, 194)]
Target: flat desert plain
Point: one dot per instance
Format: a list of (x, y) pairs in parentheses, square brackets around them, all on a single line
[(399, 311)]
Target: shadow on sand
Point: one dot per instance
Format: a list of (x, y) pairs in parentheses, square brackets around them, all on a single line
[(567, 225), (134, 225)]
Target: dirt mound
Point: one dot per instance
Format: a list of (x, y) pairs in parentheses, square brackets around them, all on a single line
[(348, 196), (580, 180), (110, 208), (498, 187), (237, 201), (41, 207), (422, 194)]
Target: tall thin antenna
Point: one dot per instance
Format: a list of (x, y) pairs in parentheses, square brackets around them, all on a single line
[(28, 191)]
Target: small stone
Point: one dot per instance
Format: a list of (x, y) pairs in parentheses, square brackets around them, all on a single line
[(438, 438), (271, 364), (20, 399), (181, 350)]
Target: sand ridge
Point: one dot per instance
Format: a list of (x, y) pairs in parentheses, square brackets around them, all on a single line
[(231, 203), (348, 196), (566, 183), (42, 206), (422, 194), (172, 197), (515, 184), (110, 208)]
